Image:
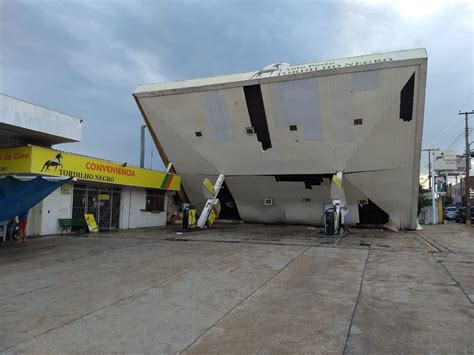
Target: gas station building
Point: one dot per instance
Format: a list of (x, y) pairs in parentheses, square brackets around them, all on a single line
[(119, 196)]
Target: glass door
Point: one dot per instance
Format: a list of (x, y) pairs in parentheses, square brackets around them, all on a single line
[(102, 202)]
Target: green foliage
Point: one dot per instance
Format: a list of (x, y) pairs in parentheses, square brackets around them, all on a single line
[(423, 199), (447, 200)]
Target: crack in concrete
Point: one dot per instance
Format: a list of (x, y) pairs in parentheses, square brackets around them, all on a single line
[(440, 262), (26, 292), (458, 284), (357, 300)]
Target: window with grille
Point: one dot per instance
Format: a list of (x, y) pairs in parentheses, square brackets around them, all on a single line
[(155, 200)]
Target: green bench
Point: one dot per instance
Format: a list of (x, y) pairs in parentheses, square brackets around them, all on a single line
[(67, 224)]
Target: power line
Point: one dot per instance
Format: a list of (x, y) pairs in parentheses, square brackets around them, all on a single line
[(472, 93), (446, 130), (424, 181), (453, 144), (456, 139)]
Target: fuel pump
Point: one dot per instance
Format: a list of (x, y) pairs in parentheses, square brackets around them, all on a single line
[(335, 212)]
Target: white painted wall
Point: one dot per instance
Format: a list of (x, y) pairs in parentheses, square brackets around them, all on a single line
[(132, 214), (43, 218)]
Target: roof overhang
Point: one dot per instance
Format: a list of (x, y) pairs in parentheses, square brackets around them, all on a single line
[(34, 124)]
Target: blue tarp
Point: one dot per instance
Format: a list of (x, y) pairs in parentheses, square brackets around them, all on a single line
[(17, 196)]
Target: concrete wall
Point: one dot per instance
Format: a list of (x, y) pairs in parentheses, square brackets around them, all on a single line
[(132, 214), (43, 218)]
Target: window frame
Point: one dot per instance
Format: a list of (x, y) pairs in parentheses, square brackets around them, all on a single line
[(155, 200)]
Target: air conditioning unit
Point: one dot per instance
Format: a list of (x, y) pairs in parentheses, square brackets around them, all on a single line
[(268, 201)]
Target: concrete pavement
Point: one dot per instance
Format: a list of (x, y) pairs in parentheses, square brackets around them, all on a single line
[(240, 289)]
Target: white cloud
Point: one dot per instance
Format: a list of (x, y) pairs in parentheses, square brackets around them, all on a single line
[(416, 9)]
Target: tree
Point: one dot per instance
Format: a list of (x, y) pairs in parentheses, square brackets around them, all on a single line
[(423, 199), (447, 200)]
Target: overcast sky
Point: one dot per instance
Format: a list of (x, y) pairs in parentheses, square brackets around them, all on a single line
[(85, 58)]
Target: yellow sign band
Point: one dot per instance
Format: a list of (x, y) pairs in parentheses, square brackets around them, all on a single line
[(43, 161)]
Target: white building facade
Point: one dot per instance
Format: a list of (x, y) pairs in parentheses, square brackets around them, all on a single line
[(124, 207)]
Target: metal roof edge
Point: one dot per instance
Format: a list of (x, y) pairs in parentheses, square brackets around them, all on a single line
[(81, 120), (269, 80), (239, 79)]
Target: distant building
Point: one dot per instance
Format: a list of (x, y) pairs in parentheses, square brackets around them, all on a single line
[(280, 134), (119, 195), (458, 192)]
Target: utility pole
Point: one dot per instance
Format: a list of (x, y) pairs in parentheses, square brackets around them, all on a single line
[(429, 150), (431, 184), (468, 161), (142, 146)]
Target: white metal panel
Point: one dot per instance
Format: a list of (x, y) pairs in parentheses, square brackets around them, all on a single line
[(177, 142), (297, 103), (36, 118), (292, 202), (391, 190), (339, 98), (217, 114)]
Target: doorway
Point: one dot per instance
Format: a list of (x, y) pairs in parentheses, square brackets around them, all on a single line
[(228, 206), (372, 215), (102, 202)]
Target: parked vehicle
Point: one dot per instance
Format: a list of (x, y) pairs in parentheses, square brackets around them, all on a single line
[(450, 212), (461, 215)]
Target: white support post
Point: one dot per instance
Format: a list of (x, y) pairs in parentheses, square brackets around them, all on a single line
[(210, 203), (433, 201), (341, 203)]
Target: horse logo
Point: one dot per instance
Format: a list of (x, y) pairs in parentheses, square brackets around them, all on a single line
[(54, 162), (271, 69)]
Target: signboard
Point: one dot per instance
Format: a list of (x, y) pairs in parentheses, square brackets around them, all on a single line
[(280, 69), (91, 224), (208, 189), (43, 161), (461, 163), (211, 195), (445, 160), (440, 182), (214, 213)]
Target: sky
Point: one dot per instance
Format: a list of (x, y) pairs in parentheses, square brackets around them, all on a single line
[(85, 58)]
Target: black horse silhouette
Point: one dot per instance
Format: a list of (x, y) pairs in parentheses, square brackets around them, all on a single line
[(54, 162)]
